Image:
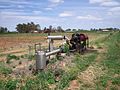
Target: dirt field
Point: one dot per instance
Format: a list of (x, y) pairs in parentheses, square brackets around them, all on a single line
[(81, 72)]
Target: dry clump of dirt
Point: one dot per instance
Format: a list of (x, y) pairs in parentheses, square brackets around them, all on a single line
[(22, 68), (62, 64), (74, 85), (90, 75), (52, 86)]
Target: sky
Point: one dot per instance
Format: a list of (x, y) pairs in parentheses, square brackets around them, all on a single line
[(83, 14)]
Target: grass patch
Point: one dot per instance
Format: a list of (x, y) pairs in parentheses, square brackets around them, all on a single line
[(111, 62), (8, 85), (10, 57), (5, 70), (83, 63), (41, 82)]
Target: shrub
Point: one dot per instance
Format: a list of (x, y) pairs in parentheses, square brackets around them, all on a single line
[(84, 62), (5, 70), (10, 57), (41, 82), (11, 84)]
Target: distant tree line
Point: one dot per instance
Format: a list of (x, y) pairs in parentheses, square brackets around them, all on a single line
[(101, 29), (32, 27), (52, 29), (3, 30), (92, 29), (28, 28), (74, 30)]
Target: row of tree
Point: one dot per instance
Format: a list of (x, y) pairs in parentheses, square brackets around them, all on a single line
[(3, 30), (101, 29), (28, 28), (31, 28)]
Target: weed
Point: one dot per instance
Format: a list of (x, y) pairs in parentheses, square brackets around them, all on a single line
[(66, 48), (41, 82), (47, 76), (8, 85), (2, 85), (84, 62), (53, 60), (111, 62), (31, 57), (10, 57), (11, 84), (5, 70)]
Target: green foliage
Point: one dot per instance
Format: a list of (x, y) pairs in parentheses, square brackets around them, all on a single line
[(8, 85), (104, 80), (57, 58), (65, 79), (81, 64), (112, 62), (116, 80), (5, 70), (3, 30), (10, 57), (66, 48), (47, 76), (58, 72), (53, 60), (84, 62), (27, 56), (43, 79), (36, 84), (11, 84), (31, 57), (27, 28), (2, 85)]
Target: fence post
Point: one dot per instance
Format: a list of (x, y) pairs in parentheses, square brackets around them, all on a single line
[(30, 52)]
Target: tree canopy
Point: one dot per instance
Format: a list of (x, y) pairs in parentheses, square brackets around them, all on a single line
[(27, 28), (3, 30)]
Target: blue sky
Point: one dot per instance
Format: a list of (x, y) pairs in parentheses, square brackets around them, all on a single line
[(84, 14)]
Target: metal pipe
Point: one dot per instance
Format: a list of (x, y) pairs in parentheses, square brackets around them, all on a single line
[(53, 52), (66, 38), (55, 37)]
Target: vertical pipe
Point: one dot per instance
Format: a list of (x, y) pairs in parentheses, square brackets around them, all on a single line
[(51, 45)]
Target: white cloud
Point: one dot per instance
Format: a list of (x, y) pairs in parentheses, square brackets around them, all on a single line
[(10, 13), (112, 3), (106, 3), (19, 13), (48, 8), (115, 9), (37, 12), (6, 6), (15, 1), (66, 14), (98, 1), (89, 17), (20, 6), (25, 17), (56, 1)]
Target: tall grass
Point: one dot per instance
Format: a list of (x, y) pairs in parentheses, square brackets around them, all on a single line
[(4, 69), (111, 62)]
